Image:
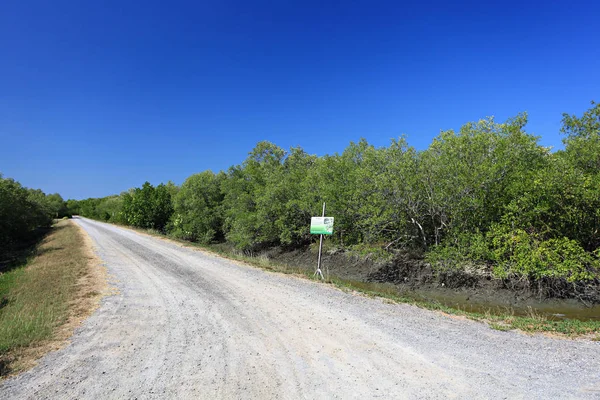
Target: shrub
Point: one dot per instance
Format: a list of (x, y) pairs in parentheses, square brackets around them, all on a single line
[(518, 253)]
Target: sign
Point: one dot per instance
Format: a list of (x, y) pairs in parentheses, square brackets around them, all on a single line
[(321, 225)]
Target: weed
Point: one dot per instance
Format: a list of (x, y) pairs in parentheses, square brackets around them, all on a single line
[(500, 326)]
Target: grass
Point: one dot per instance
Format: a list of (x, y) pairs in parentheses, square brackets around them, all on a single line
[(497, 320), (39, 299)]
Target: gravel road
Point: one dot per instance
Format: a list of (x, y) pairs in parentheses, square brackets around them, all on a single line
[(186, 324)]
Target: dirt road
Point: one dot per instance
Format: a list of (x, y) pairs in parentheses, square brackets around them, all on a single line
[(186, 324)]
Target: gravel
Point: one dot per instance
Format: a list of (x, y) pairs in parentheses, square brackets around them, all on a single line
[(187, 324)]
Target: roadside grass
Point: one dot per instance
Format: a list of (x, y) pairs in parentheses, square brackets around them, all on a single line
[(42, 300), (496, 319)]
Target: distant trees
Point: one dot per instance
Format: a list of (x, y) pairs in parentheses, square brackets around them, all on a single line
[(488, 196), (146, 207)]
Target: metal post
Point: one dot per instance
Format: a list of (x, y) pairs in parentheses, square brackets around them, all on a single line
[(320, 250)]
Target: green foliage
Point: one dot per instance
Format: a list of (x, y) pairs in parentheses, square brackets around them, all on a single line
[(23, 211), (391, 203), (343, 182), (535, 214), (583, 139), (147, 207), (162, 207), (250, 201), (297, 197), (109, 209), (138, 210), (57, 206), (460, 251), (197, 208), (469, 177), (488, 197), (520, 254), (559, 201)]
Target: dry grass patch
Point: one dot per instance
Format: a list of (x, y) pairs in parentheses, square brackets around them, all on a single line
[(42, 302)]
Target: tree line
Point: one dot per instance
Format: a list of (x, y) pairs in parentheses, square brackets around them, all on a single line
[(486, 198), (23, 212)]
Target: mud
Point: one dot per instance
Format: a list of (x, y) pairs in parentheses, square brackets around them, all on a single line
[(412, 277)]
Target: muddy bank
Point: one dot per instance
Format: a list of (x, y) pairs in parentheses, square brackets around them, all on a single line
[(411, 276)]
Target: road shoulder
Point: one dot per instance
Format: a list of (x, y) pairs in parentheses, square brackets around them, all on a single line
[(49, 297)]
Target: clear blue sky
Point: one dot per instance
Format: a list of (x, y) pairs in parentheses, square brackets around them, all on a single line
[(100, 96)]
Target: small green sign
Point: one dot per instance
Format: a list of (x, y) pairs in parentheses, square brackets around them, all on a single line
[(321, 225)]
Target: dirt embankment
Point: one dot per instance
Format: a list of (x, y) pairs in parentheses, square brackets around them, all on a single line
[(410, 273)]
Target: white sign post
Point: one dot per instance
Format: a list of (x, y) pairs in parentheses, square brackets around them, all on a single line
[(321, 226)]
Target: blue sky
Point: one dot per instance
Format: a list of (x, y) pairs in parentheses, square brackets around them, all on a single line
[(97, 97)]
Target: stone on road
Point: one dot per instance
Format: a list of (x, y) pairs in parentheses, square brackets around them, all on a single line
[(187, 324)]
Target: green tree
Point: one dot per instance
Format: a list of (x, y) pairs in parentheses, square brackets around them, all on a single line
[(198, 208), (295, 197), (162, 207), (110, 209), (148, 207), (22, 212), (249, 208), (139, 207), (57, 205), (470, 177), (340, 183), (392, 207), (583, 139)]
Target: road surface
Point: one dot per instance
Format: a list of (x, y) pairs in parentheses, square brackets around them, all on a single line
[(185, 324)]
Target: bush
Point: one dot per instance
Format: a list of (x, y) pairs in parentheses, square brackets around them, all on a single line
[(524, 255), (458, 251)]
